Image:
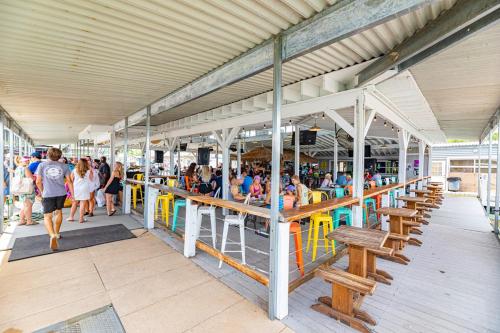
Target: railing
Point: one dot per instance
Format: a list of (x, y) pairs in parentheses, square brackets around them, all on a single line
[(256, 246)]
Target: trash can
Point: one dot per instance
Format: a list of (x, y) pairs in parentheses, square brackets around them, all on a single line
[(454, 183)]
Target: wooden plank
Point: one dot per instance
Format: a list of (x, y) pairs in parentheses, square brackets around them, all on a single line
[(297, 213), (372, 192), (403, 212), (368, 238), (233, 205), (411, 199)]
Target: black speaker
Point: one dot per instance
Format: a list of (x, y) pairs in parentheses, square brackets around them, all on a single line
[(306, 138), (368, 151), (203, 156), (158, 156)]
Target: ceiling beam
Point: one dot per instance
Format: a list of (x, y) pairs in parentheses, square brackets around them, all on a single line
[(463, 13), (340, 21)]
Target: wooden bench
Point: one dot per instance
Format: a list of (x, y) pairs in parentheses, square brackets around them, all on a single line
[(348, 291)]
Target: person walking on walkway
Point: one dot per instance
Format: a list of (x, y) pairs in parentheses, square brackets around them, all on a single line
[(104, 171), (22, 171), (113, 187), (50, 182), (82, 183)]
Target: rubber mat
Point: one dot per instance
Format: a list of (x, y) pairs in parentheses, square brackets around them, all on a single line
[(103, 320), (33, 246)]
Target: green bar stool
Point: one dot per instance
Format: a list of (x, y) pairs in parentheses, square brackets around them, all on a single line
[(339, 212)]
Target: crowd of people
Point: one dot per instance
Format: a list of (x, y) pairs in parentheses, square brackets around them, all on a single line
[(57, 182)]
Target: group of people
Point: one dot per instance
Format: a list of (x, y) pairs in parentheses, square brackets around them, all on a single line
[(58, 179)]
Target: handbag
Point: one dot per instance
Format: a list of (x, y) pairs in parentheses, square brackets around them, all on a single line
[(21, 185)]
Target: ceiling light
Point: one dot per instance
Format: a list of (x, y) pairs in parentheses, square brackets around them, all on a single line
[(385, 123), (315, 128), (375, 118), (264, 126), (393, 128), (323, 116)]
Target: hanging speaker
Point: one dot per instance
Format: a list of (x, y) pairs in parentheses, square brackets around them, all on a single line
[(203, 156), (158, 156)]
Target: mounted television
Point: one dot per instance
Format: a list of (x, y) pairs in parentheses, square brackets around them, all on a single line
[(158, 156), (203, 156), (183, 146), (307, 138), (368, 152)]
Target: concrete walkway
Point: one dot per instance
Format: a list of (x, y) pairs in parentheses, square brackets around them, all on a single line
[(152, 287)]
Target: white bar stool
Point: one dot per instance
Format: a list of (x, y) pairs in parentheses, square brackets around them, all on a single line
[(237, 220), (208, 210)]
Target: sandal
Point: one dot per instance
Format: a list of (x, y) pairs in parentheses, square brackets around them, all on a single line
[(70, 220), (82, 221), (112, 213)]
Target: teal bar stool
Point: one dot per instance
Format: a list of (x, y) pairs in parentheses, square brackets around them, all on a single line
[(178, 203), (337, 213), (393, 179), (378, 182), (367, 203)]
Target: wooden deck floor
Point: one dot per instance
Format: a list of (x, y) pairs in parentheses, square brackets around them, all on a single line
[(451, 285)]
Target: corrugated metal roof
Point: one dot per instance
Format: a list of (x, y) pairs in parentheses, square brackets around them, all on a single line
[(103, 60)]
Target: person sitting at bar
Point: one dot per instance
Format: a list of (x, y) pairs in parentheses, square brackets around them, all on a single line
[(234, 190), (341, 179), (348, 180), (377, 176), (246, 181), (301, 191), (327, 182), (205, 187), (256, 188)]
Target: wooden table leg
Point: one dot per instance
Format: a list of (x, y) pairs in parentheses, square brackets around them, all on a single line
[(377, 274), (357, 260)]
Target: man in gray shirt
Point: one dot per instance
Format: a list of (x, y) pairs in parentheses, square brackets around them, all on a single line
[(50, 179)]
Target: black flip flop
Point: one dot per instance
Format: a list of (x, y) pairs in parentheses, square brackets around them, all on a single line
[(112, 213)]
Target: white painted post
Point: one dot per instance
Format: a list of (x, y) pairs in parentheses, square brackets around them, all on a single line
[(225, 168), (404, 138), (238, 158), (127, 199), (147, 166), (335, 159), (488, 186), (479, 171), (282, 269), (429, 163), (179, 160), (152, 193), (359, 159), (385, 202), (421, 157), (190, 229), (297, 151), (111, 149), (497, 185), (127, 190)]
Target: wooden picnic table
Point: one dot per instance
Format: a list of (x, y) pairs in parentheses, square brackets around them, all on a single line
[(400, 224), (363, 245), (421, 193), (411, 202)]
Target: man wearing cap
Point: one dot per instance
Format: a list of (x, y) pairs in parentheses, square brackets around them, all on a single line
[(36, 159)]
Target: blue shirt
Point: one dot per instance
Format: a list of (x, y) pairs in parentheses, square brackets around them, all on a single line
[(247, 182), (342, 180), (33, 166)]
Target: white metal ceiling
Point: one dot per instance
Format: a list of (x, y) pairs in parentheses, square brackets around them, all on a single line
[(67, 64)]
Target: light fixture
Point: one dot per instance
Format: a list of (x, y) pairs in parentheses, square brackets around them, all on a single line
[(323, 116), (290, 121), (375, 118), (398, 130), (315, 128), (385, 123), (392, 128), (265, 126)]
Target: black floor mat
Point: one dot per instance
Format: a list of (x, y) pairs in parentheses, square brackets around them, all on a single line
[(34, 246)]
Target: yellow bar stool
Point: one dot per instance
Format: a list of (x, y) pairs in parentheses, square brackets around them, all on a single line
[(316, 220), (165, 200), (137, 189)]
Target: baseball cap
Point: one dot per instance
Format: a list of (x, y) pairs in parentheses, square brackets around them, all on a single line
[(36, 154)]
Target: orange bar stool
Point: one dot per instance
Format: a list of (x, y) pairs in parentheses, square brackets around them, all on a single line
[(296, 230)]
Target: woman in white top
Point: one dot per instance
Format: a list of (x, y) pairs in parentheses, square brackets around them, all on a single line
[(327, 182), (95, 184), (82, 185)]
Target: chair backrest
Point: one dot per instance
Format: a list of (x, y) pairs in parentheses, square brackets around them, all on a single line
[(139, 176), (378, 182), (387, 181), (217, 193), (394, 179), (348, 189), (316, 196), (171, 182), (188, 183), (339, 192), (372, 183), (157, 180), (243, 216)]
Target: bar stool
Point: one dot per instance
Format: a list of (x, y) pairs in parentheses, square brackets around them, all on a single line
[(370, 202), (337, 213), (236, 220), (296, 230), (178, 204), (165, 200), (137, 189), (210, 211), (314, 223)]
